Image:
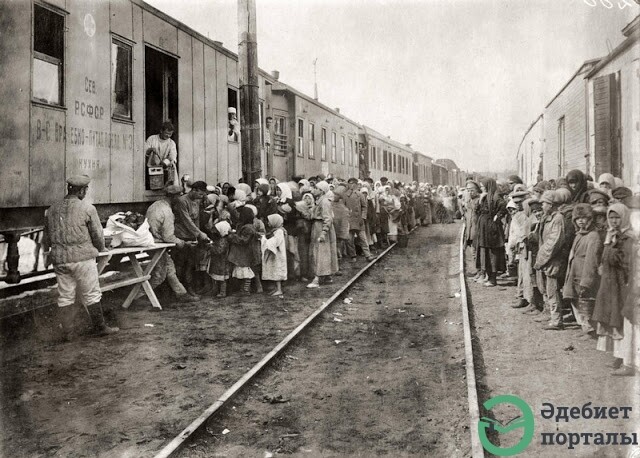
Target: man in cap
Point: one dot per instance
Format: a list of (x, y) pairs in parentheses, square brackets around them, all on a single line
[(550, 259), (73, 236), (384, 181), (162, 226), (357, 205), (518, 233), (233, 134), (186, 209), (161, 150)]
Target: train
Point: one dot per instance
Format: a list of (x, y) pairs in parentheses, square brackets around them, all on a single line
[(90, 81)]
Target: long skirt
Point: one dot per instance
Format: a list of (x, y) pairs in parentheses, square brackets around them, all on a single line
[(426, 219), (492, 259), (629, 347), (303, 252), (323, 256)]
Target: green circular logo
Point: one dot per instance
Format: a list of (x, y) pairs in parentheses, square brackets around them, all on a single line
[(524, 421)]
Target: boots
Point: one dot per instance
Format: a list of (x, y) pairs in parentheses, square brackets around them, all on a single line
[(222, 291), (66, 316), (258, 283), (246, 287), (522, 303), (97, 320), (215, 288)]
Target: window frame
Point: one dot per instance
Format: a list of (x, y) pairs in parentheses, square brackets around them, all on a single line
[(117, 116), (334, 146), (59, 62), (279, 120), (300, 138), (311, 129), (323, 144), (343, 149)]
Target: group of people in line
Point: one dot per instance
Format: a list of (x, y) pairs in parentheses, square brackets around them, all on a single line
[(573, 244), (282, 231)]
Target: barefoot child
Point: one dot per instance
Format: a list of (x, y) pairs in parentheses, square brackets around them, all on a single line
[(241, 249)]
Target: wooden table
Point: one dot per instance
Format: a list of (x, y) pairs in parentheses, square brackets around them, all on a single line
[(142, 276)]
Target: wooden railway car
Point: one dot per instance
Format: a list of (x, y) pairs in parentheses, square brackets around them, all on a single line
[(387, 157), (422, 168), (308, 138), (89, 81)]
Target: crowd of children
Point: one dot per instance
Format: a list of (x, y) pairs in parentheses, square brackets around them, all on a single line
[(574, 246), (302, 231)]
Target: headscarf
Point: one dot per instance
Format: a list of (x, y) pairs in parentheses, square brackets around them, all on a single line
[(213, 198), (618, 183), (223, 228), (264, 188), (313, 200), (304, 182), (240, 197), (244, 187), (577, 195), (623, 212), (224, 199), (285, 192), (515, 179), (275, 221), (607, 178), (262, 181), (563, 195), (474, 185), (253, 208), (330, 196), (323, 186)]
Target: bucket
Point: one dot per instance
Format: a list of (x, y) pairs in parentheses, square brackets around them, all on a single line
[(156, 178), (403, 240)]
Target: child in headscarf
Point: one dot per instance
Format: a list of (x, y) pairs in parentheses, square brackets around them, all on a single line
[(577, 183), (582, 280), (241, 250), (287, 209), (303, 229), (615, 274), (274, 253), (219, 249), (261, 230)]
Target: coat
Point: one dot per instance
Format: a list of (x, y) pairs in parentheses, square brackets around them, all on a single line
[(187, 216), (340, 219), (550, 258), (162, 222), (614, 282), (357, 205), (323, 256), (582, 268), (73, 231), (274, 256), (241, 247), (489, 230)]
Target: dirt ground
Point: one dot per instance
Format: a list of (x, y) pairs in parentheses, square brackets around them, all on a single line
[(381, 375), (128, 394), (516, 356)]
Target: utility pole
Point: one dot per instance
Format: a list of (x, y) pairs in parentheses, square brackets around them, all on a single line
[(315, 79), (249, 97)]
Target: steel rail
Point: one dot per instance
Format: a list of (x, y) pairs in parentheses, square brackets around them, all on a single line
[(175, 445), (477, 451)]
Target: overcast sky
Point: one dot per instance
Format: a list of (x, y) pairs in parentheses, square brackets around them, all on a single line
[(461, 79)]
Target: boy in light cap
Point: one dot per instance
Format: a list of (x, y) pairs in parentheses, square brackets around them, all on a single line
[(550, 260)]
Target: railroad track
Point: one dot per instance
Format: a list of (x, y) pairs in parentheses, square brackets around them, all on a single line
[(185, 436)]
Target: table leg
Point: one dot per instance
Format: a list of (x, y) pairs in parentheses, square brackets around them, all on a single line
[(144, 284)]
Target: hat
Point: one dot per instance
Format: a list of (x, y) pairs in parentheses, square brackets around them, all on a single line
[(519, 196), (599, 210), (582, 211), (211, 188), (563, 195), (231, 110), (79, 181), (512, 204), (621, 193), (173, 190), (549, 197), (352, 180), (596, 194), (199, 186)]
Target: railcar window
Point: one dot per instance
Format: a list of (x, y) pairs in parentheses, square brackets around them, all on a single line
[(312, 140), (301, 137), (334, 144), (120, 79), (48, 55), (323, 144), (280, 135), (351, 151), (342, 149), (233, 134)]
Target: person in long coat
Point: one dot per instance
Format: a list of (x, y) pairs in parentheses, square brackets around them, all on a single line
[(615, 274), (323, 259), (303, 228), (490, 233), (274, 253), (470, 216)]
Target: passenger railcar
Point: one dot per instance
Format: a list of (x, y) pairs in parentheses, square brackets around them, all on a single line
[(422, 168), (387, 157)]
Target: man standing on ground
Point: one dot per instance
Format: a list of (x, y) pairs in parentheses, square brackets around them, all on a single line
[(186, 209), (162, 227), (357, 205), (73, 234)]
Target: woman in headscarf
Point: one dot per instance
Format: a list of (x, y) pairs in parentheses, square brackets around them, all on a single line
[(273, 183), (392, 206), (287, 209), (607, 183), (614, 279), (274, 253), (241, 250), (490, 233), (470, 217), (265, 204), (577, 183), (629, 349), (323, 250), (303, 229)]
